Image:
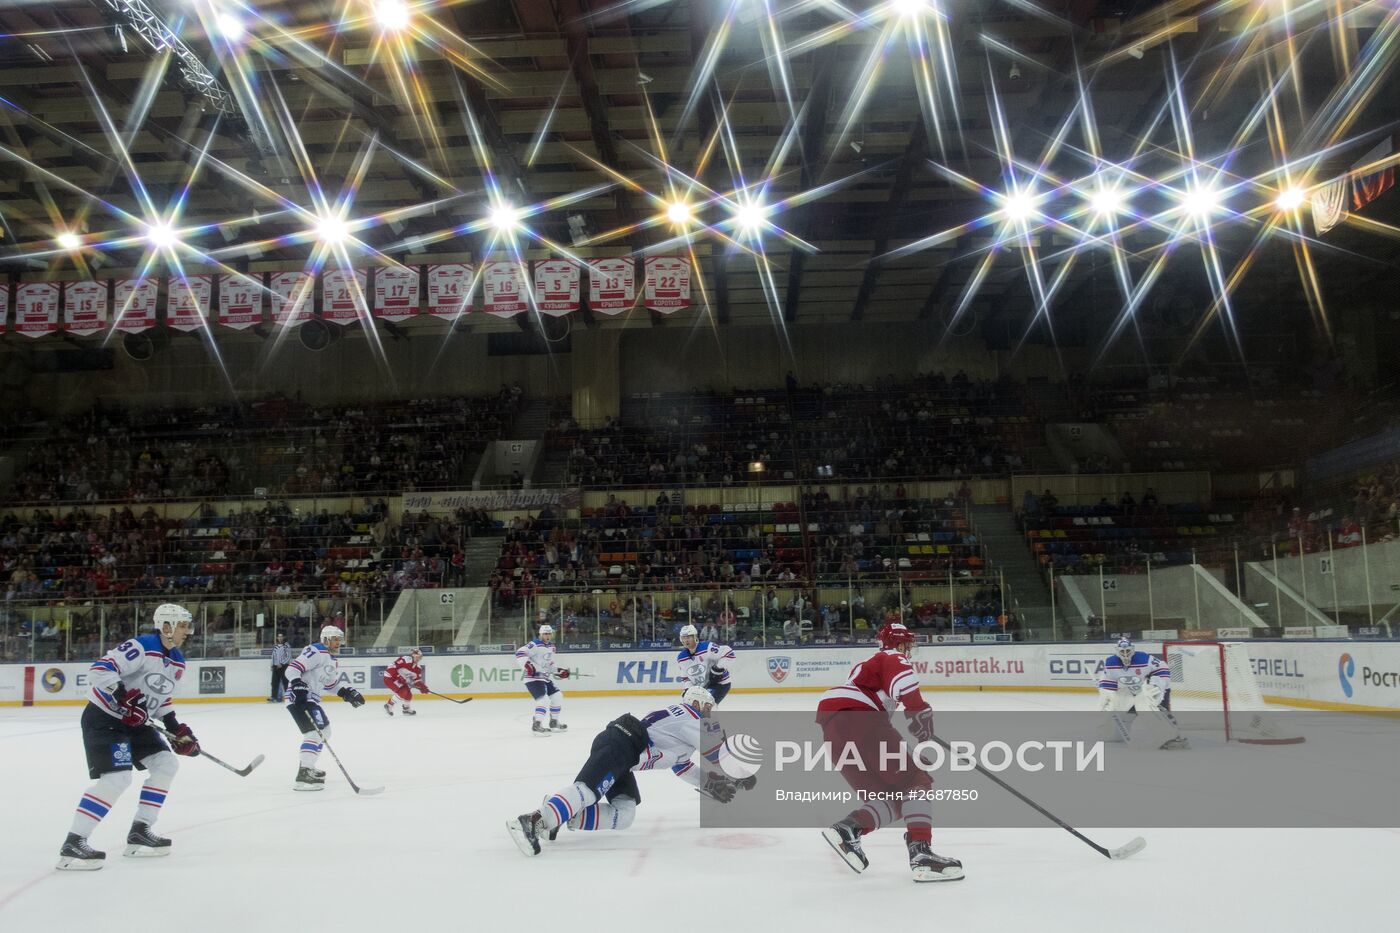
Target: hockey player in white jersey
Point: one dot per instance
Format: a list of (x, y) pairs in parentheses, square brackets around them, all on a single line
[(536, 658), (310, 675), (132, 685), (1132, 681), (705, 664), (605, 795)]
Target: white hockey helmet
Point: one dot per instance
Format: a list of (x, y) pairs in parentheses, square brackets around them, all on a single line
[(689, 631), (546, 629), (1125, 649), (331, 631), (170, 614), (700, 698)]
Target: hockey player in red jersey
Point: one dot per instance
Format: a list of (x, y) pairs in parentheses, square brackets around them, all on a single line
[(858, 713), (401, 677)]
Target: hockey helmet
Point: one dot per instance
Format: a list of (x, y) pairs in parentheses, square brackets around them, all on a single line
[(690, 631), (331, 631), (700, 698), (894, 634), (1125, 650), (171, 615)]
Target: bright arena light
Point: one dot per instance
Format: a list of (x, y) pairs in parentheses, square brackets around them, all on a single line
[(1290, 199), (392, 15), (1201, 201), (909, 8), (1107, 201), (331, 230), (504, 218), (1018, 205), (750, 217), (230, 26), (69, 240), (678, 212), (160, 235)]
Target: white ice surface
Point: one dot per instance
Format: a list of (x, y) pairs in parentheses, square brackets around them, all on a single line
[(431, 853)]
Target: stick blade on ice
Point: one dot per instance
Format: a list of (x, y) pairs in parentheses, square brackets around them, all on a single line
[(1129, 849), (245, 771), (369, 791)]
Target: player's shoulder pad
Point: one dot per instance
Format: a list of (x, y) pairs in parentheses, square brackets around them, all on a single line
[(316, 646), (177, 656), (682, 654), (1113, 661), (150, 641), (1141, 657)]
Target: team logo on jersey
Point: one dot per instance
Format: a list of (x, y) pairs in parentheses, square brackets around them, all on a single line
[(779, 667), (741, 756), (159, 684), (53, 680), (1346, 668), (462, 675), (121, 754)]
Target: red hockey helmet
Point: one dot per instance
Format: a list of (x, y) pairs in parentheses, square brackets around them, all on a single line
[(894, 634)]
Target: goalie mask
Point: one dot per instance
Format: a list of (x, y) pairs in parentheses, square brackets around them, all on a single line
[(1125, 651)]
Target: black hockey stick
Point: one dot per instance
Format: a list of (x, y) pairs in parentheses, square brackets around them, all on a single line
[(1127, 850), (449, 699), (362, 791), (241, 772)]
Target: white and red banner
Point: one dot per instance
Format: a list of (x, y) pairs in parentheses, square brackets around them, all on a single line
[(187, 302), (667, 284), (240, 301), (84, 307), (4, 305), (396, 292), (503, 285), (292, 297), (36, 309), (612, 284), (343, 295), (449, 289), (135, 301), (556, 286)]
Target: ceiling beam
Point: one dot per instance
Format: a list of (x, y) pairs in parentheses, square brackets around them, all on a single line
[(810, 151), (914, 154)]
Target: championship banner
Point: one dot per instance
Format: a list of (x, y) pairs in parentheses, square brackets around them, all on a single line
[(343, 295), (240, 301), (667, 284), (187, 302), (291, 297), (85, 307), (4, 305), (449, 289), (135, 301), (556, 287), (396, 292), (612, 284), (503, 284), (36, 309)]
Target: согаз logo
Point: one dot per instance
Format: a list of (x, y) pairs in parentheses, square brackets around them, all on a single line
[(53, 680), (741, 756), (1346, 667)]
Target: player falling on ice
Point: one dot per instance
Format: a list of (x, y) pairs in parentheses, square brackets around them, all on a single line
[(401, 677), (312, 673), (858, 713), (536, 657), (131, 684), (705, 664), (1132, 681), (604, 795)]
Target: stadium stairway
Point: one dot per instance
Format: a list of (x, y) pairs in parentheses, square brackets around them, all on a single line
[(1006, 548), (481, 555)]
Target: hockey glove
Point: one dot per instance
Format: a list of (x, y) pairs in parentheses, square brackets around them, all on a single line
[(352, 696), (747, 783), (423, 687), (301, 694), (132, 706), (183, 742), (921, 724), (562, 673), (530, 670), (720, 787)]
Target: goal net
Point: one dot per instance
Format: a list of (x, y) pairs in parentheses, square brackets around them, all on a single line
[(1216, 677)]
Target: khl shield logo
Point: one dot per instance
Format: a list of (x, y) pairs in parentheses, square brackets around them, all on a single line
[(1346, 667), (778, 668)]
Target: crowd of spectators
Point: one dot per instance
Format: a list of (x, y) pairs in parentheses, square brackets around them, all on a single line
[(279, 445)]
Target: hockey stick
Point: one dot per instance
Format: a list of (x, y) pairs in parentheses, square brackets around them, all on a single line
[(241, 772), (1131, 848), (362, 791), (449, 699)]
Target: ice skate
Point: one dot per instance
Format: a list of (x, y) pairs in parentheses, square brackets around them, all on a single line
[(539, 729), (77, 855), (525, 832), (557, 726), (410, 712), (309, 779), (844, 837), (388, 709), (142, 843), (1177, 742), (928, 865)]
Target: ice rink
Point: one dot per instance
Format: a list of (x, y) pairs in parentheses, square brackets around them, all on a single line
[(431, 852)]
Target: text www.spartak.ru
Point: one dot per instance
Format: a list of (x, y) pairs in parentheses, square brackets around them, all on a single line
[(951, 668)]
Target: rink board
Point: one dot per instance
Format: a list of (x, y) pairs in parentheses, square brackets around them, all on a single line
[(1337, 675)]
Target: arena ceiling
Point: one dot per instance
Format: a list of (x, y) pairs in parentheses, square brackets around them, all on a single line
[(857, 161)]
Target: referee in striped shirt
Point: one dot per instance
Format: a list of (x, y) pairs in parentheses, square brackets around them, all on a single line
[(281, 657)]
